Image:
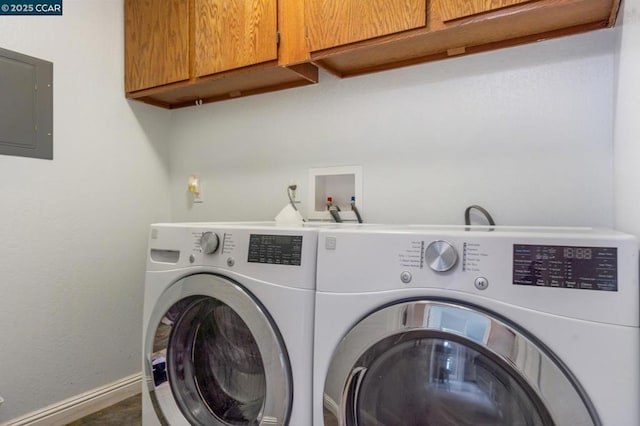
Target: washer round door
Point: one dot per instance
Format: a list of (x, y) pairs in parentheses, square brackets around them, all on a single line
[(213, 356), (444, 363)]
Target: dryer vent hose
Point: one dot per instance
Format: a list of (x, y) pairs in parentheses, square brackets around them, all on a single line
[(485, 213)]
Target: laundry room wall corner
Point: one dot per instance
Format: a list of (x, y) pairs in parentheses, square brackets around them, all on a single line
[(627, 125), (74, 229)]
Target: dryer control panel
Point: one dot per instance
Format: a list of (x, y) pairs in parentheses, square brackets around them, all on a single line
[(572, 272), (590, 268)]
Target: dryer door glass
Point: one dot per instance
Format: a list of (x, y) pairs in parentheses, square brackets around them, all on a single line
[(215, 357), (443, 363), (419, 380)]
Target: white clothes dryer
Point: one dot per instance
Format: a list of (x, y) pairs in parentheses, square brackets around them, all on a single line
[(476, 326), (228, 324)]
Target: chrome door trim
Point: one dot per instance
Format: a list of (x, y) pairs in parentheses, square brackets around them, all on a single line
[(279, 386), (409, 317)]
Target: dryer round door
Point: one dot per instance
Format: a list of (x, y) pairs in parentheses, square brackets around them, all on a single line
[(213, 356), (443, 363)]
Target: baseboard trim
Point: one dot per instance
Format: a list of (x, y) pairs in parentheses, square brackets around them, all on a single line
[(82, 405)]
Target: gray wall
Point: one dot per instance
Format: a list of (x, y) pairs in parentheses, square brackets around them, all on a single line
[(525, 132), (627, 123), (73, 230)]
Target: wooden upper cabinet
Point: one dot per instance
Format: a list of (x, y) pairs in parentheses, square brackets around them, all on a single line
[(450, 10), (331, 23), (231, 34), (353, 37), (156, 43), (181, 53)]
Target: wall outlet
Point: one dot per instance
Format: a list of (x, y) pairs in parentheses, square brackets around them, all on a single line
[(198, 197), (339, 183), (194, 186)]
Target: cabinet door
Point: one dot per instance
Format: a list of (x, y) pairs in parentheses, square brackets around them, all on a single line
[(156, 43), (234, 33), (337, 22), (462, 8)]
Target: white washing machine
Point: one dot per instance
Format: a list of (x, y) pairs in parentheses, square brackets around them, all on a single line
[(476, 326), (228, 324)]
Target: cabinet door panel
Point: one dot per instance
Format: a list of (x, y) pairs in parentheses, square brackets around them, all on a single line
[(462, 8), (337, 22), (157, 43), (234, 33)]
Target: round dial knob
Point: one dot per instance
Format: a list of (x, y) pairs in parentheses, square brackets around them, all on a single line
[(209, 242), (440, 256)]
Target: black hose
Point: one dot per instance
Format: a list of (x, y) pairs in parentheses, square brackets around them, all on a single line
[(485, 213), (355, 210)]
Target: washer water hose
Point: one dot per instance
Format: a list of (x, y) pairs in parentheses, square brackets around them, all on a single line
[(355, 209), (333, 210)]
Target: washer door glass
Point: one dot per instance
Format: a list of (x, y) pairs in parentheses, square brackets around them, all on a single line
[(214, 361), (446, 364), (216, 357)]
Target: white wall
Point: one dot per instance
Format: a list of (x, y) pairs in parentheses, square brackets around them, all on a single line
[(627, 123), (526, 132), (73, 230)]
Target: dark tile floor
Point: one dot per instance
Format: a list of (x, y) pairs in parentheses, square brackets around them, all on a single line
[(124, 413)]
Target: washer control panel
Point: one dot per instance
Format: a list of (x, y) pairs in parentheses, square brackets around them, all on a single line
[(275, 249), (273, 254)]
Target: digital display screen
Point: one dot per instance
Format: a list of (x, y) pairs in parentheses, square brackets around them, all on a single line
[(589, 268), (275, 249)]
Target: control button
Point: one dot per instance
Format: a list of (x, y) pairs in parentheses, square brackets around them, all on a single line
[(209, 242), (231, 261), (405, 277), (192, 259), (440, 256), (481, 283)]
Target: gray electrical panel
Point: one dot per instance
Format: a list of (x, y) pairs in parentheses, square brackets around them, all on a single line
[(26, 106)]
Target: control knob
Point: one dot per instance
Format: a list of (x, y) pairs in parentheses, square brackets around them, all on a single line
[(209, 242), (440, 256)]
